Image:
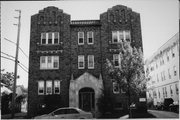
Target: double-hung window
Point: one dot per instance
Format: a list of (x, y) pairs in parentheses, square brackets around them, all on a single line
[(49, 62), (80, 38), (177, 88), (50, 38), (169, 73), (115, 36), (56, 38), (48, 87), (91, 61), (43, 38), (90, 37), (81, 62), (56, 87), (116, 60), (175, 72), (171, 91), (40, 87)]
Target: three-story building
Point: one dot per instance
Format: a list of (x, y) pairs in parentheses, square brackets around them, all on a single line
[(67, 58)]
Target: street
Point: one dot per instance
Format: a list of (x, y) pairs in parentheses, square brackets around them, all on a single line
[(163, 114)]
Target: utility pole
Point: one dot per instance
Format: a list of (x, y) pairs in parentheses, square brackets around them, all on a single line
[(16, 63)]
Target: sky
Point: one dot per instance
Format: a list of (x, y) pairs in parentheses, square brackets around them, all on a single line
[(159, 22)]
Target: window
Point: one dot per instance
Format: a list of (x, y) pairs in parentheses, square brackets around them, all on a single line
[(172, 51), (175, 71), (91, 61), (49, 62), (169, 73), (56, 38), (177, 89), (127, 36), (164, 75), (56, 62), (43, 38), (40, 87), (116, 59), (50, 38), (159, 94), (171, 91), (42, 62), (165, 92), (81, 62), (115, 88), (114, 37), (154, 94), (90, 38), (56, 87), (120, 36), (157, 78), (80, 38), (48, 87)]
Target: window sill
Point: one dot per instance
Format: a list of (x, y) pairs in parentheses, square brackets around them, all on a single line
[(49, 69), (49, 44)]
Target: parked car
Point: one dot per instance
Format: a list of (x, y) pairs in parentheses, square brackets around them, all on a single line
[(174, 107), (166, 103), (67, 113)]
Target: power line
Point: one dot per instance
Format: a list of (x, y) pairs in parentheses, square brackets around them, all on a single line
[(19, 47), (18, 64), (23, 68), (23, 52), (7, 58), (7, 54)]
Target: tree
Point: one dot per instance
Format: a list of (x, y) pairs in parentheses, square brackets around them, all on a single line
[(130, 75), (7, 78)]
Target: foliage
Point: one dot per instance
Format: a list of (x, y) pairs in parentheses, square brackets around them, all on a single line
[(7, 78), (131, 70)]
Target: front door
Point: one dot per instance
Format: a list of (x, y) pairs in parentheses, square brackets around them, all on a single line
[(86, 99)]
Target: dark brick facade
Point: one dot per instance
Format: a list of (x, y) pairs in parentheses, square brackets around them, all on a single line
[(52, 19)]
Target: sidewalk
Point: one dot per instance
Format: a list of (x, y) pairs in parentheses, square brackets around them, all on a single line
[(16, 116)]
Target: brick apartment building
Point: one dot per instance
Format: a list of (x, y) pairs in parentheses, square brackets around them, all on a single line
[(67, 58)]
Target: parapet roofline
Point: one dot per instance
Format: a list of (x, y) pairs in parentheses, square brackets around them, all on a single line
[(85, 22)]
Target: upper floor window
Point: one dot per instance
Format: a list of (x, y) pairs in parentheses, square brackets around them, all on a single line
[(116, 60), (48, 87), (56, 87), (90, 38), (91, 61), (81, 62), (173, 54), (177, 88), (50, 38), (157, 78), (171, 91), (40, 87), (49, 62), (169, 73), (175, 72), (116, 88), (118, 36), (80, 38)]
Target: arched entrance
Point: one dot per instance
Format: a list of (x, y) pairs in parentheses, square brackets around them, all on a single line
[(86, 99)]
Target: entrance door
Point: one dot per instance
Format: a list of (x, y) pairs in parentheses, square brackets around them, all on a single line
[(86, 99)]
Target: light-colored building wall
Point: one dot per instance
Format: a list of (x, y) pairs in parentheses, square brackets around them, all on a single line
[(160, 72)]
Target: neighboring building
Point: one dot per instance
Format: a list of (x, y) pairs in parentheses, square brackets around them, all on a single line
[(162, 70), (67, 58)]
